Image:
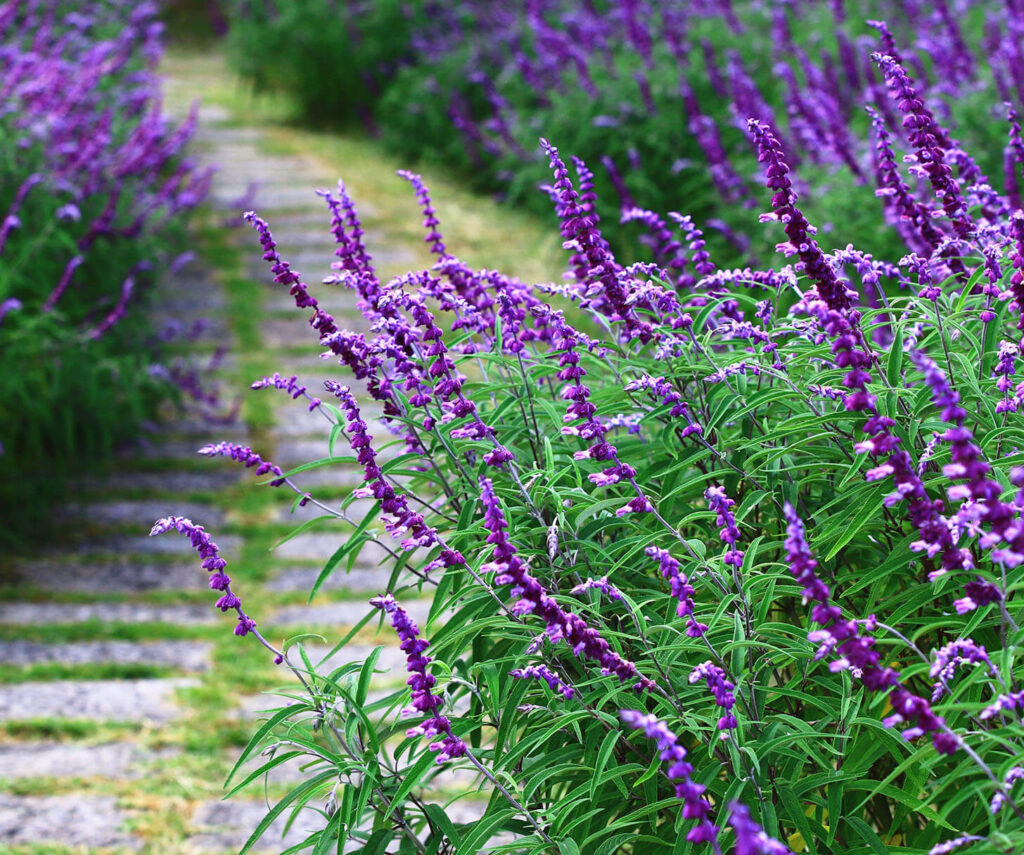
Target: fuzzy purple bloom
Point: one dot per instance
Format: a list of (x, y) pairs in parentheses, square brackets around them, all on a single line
[(682, 590), (695, 804), (532, 598), (212, 562), (857, 652), (246, 456), (751, 839), (723, 690), (542, 672), (424, 701)]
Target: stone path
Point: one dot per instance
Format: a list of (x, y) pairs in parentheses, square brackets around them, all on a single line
[(122, 685)]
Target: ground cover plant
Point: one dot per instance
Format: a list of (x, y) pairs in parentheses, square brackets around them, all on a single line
[(654, 97), (720, 560), (94, 187)]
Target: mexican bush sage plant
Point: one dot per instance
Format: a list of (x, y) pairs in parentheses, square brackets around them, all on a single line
[(717, 560)]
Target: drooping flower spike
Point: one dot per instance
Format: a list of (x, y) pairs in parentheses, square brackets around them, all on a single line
[(856, 652), (695, 803), (424, 701), (532, 598), (212, 563)]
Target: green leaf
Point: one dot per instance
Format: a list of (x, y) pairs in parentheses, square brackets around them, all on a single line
[(605, 752), (300, 794), (894, 364)]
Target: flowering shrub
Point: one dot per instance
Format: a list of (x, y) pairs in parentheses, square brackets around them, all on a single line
[(718, 560), (93, 185), (655, 96)]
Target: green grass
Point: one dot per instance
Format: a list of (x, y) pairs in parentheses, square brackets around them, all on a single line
[(45, 671)]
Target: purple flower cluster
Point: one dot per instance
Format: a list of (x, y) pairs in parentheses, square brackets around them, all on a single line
[(856, 652), (595, 266), (717, 681), (401, 520), (542, 672), (90, 151), (531, 598), (213, 563), (984, 506), (929, 140), (424, 701), (682, 590), (291, 385), (722, 505), (695, 804), (246, 456), (751, 839), (602, 585)]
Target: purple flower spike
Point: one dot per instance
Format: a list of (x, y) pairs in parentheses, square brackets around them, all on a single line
[(722, 505), (929, 140), (798, 230), (532, 598), (595, 267), (1015, 774), (212, 562), (400, 519), (421, 682), (717, 681), (751, 839), (602, 585), (856, 652), (245, 455), (695, 805), (542, 672), (682, 590), (430, 220)]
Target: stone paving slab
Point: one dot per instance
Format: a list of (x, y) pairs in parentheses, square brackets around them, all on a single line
[(119, 760), (119, 577), (267, 198), (139, 512), (44, 614), (88, 821), (186, 655), (342, 614), (206, 481), (369, 581), (228, 824), (295, 452), (319, 546), (114, 700)]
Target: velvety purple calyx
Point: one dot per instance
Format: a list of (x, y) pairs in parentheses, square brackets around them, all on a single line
[(929, 141), (542, 672), (212, 562), (798, 230), (721, 688), (751, 839), (681, 588), (722, 505), (856, 652), (424, 701), (320, 320), (532, 598), (399, 519), (246, 456), (595, 266), (679, 771)]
